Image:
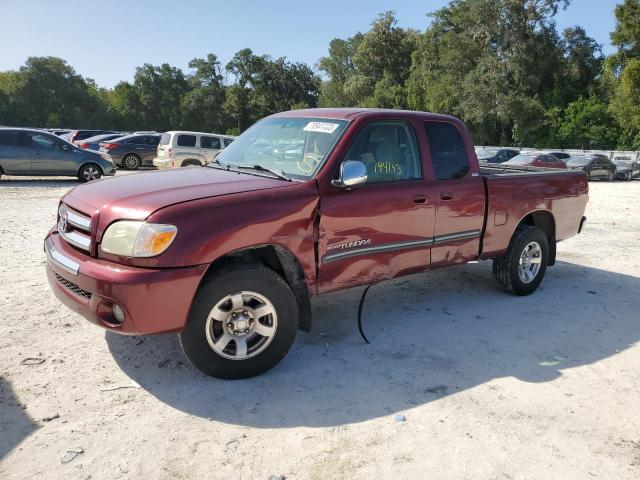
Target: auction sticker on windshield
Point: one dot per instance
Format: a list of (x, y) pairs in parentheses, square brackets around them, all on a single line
[(321, 127)]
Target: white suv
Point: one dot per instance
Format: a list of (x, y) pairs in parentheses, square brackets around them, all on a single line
[(180, 149)]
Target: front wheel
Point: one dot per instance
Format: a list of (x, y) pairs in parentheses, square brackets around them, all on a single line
[(89, 172), (242, 322), (520, 270)]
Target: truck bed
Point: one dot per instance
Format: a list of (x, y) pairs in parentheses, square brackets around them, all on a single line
[(511, 193)]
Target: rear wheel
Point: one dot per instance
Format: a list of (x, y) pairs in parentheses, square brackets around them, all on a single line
[(520, 270), (89, 172), (131, 161), (242, 322)]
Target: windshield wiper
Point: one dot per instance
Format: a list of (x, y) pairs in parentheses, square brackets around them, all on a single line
[(278, 173)]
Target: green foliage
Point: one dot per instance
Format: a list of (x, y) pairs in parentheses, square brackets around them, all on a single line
[(370, 69), (500, 65), (626, 36), (587, 123), (625, 104)]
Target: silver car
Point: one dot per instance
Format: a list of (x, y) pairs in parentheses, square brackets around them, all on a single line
[(26, 151)]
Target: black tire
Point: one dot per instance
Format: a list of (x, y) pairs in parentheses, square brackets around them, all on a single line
[(506, 266), (629, 176), (89, 172), (227, 281), (131, 161), (610, 177)]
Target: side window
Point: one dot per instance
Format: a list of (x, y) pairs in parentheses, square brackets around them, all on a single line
[(10, 138), (227, 141), (210, 142), (43, 142), (186, 140), (152, 141), (389, 151), (134, 141), (448, 153)]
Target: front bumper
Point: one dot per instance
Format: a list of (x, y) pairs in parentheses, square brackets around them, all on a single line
[(153, 300), (163, 162)]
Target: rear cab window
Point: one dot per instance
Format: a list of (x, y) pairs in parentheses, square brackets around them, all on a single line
[(165, 139), (186, 141), (448, 152), (227, 141)]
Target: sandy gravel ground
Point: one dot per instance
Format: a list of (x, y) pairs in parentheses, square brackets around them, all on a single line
[(461, 381)]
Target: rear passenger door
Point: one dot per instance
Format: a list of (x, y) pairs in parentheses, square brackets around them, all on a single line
[(459, 198), (187, 152), (15, 155), (209, 146)]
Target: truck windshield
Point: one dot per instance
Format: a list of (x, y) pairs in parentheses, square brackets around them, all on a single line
[(296, 147)]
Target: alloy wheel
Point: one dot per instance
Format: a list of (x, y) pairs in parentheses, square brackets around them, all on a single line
[(530, 261), (241, 325)]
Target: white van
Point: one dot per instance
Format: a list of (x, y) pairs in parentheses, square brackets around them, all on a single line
[(180, 149)]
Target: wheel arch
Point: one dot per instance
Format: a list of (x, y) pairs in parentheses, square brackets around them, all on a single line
[(283, 262), (545, 221), (190, 161)]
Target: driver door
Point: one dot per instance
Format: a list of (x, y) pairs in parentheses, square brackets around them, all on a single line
[(383, 228), (50, 156)]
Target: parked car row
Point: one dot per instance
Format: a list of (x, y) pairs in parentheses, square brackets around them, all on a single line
[(26, 151), (596, 166), (90, 154)]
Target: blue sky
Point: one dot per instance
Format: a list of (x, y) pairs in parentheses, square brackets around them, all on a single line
[(106, 40)]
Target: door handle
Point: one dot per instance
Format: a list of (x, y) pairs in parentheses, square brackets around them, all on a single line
[(420, 198), (446, 195)]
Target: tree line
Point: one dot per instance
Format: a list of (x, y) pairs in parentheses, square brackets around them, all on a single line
[(501, 65)]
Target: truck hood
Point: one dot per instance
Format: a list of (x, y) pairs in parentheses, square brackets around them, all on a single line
[(136, 196)]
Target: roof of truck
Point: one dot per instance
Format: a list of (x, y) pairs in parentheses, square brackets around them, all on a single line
[(351, 113)]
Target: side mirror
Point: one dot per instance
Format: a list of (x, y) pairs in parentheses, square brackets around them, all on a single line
[(352, 174)]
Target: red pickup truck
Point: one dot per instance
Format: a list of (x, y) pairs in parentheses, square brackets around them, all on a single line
[(303, 203)]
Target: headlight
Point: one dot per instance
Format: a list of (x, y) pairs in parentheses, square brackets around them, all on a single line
[(137, 239)]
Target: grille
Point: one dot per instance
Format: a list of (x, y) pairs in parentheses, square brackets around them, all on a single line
[(72, 287), (74, 228)]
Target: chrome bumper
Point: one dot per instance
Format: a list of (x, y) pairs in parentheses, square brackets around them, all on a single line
[(60, 260)]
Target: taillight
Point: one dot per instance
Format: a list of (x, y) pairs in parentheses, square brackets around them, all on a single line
[(84, 145), (170, 152), (109, 146)]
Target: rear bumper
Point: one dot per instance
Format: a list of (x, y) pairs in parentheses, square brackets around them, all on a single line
[(163, 163), (153, 300)]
